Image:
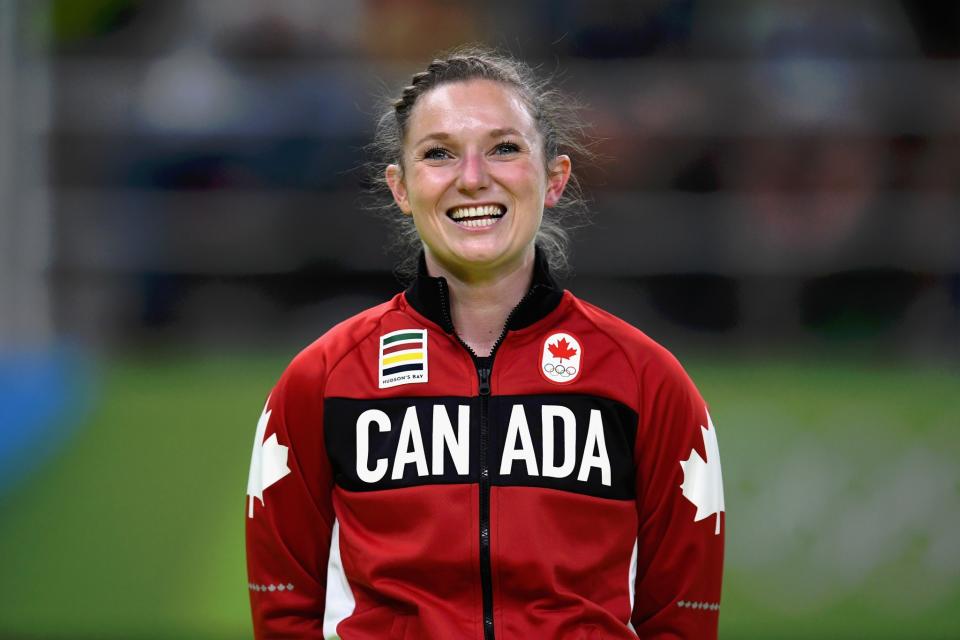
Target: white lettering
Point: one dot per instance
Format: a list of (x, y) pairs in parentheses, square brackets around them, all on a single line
[(548, 414), (518, 445), (518, 428), (364, 472), (595, 451), (458, 446), (410, 435)]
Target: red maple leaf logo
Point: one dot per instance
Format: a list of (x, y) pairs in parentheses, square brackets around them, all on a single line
[(561, 349)]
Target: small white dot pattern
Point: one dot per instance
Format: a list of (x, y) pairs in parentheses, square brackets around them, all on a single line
[(704, 606), (270, 587)]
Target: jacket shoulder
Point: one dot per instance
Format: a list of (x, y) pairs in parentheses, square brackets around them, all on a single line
[(648, 358), (319, 358), (663, 387)]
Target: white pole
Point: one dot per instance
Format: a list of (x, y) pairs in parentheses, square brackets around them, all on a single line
[(7, 150), (25, 221)]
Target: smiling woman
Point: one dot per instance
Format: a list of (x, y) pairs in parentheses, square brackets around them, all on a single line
[(557, 123), (487, 455), (476, 182), (477, 194)]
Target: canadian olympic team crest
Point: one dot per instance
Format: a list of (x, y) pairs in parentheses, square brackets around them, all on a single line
[(561, 358)]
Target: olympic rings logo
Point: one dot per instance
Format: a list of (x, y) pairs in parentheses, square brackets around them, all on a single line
[(560, 370)]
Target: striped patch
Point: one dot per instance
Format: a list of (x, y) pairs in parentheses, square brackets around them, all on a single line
[(403, 357)]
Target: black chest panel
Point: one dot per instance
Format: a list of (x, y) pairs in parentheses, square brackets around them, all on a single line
[(576, 443)]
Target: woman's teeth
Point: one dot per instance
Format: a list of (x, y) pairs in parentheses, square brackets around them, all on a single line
[(483, 216), (479, 222)]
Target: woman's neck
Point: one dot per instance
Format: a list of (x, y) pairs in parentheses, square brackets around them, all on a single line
[(479, 307)]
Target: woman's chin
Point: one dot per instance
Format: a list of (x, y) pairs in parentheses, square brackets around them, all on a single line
[(478, 251), (480, 259)]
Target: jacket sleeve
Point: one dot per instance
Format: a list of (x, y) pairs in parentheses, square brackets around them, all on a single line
[(680, 507), (289, 515)]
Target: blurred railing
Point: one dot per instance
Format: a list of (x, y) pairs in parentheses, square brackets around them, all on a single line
[(194, 142)]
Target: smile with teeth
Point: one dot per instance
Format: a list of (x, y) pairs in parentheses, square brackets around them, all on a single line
[(481, 216)]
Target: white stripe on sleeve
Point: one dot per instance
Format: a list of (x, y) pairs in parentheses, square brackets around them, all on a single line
[(340, 602)]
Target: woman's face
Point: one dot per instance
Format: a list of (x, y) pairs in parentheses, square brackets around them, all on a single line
[(474, 177)]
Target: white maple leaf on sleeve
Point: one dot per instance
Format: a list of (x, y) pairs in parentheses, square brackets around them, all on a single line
[(268, 462), (702, 480)]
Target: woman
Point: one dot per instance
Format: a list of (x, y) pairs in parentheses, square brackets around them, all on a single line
[(501, 459)]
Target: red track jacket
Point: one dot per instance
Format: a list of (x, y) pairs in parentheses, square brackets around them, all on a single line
[(568, 486)]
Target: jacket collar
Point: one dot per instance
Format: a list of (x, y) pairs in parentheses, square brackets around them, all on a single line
[(430, 297)]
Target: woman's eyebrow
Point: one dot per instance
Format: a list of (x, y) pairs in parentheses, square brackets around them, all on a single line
[(494, 133), (438, 135), (506, 131)]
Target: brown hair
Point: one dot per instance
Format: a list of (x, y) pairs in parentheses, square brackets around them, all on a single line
[(556, 117)]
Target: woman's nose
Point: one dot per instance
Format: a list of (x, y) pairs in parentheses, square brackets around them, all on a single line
[(473, 173)]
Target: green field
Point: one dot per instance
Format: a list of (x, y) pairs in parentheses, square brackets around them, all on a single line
[(842, 494)]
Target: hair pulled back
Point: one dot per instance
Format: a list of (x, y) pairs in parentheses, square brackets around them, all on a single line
[(556, 119)]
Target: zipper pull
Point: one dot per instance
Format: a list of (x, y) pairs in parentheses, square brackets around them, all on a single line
[(484, 381)]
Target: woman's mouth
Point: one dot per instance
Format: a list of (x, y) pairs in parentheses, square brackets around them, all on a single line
[(477, 216)]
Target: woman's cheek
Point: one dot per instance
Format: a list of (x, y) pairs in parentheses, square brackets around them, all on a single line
[(522, 175), (433, 182)]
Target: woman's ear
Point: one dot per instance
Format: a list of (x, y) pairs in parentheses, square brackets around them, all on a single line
[(394, 176), (557, 179)]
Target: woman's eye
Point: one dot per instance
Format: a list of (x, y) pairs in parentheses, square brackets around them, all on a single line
[(507, 147), (436, 153)]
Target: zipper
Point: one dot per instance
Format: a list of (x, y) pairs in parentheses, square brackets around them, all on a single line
[(486, 577), (484, 368)]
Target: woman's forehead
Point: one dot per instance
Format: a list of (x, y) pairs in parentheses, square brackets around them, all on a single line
[(472, 106)]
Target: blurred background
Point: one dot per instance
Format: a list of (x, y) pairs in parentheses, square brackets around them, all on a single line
[(182, 210)]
